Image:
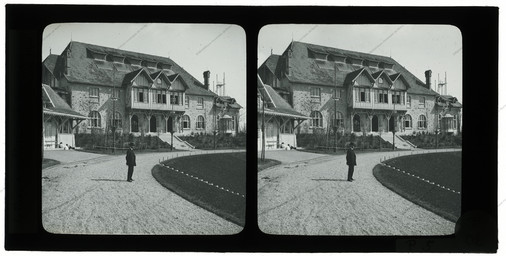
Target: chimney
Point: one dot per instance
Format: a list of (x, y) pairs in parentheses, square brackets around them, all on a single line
[(428, 74), (206, 79)]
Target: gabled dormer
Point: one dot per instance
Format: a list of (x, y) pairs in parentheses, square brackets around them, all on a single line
[(134, 62), (399, 82), (177, 83), (138, 78), (160, 80), (382, 80), (360, 78)]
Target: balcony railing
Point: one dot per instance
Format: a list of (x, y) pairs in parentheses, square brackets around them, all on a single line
[(157, 106), (379, 106)]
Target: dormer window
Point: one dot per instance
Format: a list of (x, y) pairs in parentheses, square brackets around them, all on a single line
[(386, 65), (317, 55), (96, 55)]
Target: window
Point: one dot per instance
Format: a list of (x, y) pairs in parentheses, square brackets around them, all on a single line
[(396, 97), (380, 80), (231, 124), (422, 102), (409, 101), (383, 96), (140, 95), (159, 81), (454, 126), (365, 95), (186, 122), (174, 98), (200, 122), (338, 120), (316, 119), (94, 92), (200, 103), (187, 102), (336, 94), (315, 94), (408, 122), (117, 121), (134, 124), (422, 122), (115, 93), (161, 98), (94, 120)]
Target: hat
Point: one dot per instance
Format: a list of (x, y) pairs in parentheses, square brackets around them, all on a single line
[(131, 144), (351, 144)]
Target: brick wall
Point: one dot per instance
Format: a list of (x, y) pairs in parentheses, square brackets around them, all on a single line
[(304, 104), (82, 102)]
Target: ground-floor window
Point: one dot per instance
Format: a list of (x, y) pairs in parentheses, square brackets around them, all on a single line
[(408, 121), (316, 119), (186, 122), (134, 122), (94, 121), (422, 122), (200, 122), (117, 121), (338, 120), (356, 123)]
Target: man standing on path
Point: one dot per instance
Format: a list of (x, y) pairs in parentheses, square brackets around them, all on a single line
[(351, 161), (130, 161)]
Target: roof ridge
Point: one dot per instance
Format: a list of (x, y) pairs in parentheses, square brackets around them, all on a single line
[(341, 49)]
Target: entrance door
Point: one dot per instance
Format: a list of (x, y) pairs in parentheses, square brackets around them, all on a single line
[(169, 125), (375, 125), (356, 123), (152, 124), (391, 123)]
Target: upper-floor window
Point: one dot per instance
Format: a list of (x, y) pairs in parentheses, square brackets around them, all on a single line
[(175, 98), (160, 97), (316, 119), (115, 93), (380, 80), (187, 102), (382, 96), (408, 103), (422, 102), (315, 93), (396, 97), (94, 92), (365, 95), (200, 103), (336, 94), (140, 95), (94, 120)]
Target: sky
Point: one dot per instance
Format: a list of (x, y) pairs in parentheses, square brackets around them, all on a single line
[(417, 47), (219, 48)]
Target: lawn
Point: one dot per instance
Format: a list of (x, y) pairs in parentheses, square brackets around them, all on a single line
[(215, 182), (444, 169)]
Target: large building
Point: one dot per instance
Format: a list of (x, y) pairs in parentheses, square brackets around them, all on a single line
[(357, 92), (136, 93)]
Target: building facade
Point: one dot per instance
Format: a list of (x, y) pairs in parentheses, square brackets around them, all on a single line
[(276, 119), (353, 91), (131, 92)]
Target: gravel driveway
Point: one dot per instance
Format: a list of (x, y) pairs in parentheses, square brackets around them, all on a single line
[(88, 194), (312, 197)]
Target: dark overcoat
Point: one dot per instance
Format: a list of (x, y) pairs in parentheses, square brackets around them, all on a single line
[(130, 157), (351, 157)]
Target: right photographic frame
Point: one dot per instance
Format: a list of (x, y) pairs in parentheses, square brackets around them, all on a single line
[(359, 129)]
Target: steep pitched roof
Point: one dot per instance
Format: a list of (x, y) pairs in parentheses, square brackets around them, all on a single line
[(55, 105), (271, 62), (50, 62), (82, 69), (276, 104), (303, 69), (231, 102)]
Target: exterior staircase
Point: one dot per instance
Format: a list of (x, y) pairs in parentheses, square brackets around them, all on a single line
[(178, 142), (399, 142)]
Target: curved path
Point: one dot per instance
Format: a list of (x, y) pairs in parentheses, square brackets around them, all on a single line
[(88, 194), (312, 197)]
